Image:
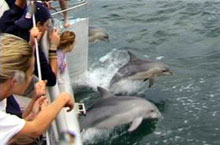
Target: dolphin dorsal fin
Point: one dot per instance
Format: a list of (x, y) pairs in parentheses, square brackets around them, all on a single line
[(104, 93), (133, 57)]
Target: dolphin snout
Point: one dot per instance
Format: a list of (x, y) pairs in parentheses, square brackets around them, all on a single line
[(106, 39), (171, 72), (159, 115), (156, 115)]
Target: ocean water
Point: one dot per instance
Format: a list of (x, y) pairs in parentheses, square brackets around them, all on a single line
[(183, 34)]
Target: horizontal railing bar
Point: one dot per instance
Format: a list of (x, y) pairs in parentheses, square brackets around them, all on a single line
[(74, 7)]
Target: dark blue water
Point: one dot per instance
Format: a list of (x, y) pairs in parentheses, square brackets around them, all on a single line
[(186, 36)]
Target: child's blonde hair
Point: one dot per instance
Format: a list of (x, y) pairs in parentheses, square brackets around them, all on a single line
[(15, 55), (67, 38)]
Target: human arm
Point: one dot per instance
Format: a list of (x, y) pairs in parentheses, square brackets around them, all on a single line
[(54, 41), (46, 70), (36, 106), (44, 119), (38, 98)]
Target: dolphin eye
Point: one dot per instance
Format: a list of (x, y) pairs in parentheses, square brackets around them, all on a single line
[(164, 70)]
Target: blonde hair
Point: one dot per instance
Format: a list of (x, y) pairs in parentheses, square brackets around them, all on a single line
[(67, 38), (15, 55)]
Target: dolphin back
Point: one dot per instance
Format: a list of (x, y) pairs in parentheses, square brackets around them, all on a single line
[(104, 93), (114, 111)]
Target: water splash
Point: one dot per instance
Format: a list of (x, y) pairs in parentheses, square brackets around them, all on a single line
[(101, 73), (94, 135)]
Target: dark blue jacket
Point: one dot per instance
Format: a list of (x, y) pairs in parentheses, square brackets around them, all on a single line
[(10, 3), (13, 107)]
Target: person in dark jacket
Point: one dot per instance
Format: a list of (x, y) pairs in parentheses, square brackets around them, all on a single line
[(18, 22), (10, 3), (15, 21)]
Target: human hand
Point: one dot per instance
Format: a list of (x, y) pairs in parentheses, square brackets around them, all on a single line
[(70, 101), (48, 4), (39, 105), (35, 33), (40, 88)]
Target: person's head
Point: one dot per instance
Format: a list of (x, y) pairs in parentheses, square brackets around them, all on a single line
[(67, 41), (16, 65), (42, 16)]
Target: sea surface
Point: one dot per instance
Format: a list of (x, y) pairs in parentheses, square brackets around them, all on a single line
[(183, 34)]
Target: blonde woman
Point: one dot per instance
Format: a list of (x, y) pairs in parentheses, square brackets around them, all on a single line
[(16, 72)]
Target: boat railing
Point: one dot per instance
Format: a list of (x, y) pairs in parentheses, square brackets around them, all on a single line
[(68, 121), (74, 6)]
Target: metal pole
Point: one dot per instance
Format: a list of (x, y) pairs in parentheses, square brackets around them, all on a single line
[(79, 5)]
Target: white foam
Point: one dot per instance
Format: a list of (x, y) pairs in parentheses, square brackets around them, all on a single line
[(101, 73), (93, 135)]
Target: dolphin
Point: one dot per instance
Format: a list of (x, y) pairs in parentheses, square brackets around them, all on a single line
[(138, 69), (97, 34), (111, 111)]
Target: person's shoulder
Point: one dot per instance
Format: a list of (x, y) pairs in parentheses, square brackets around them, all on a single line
[(10, 119), (10, 125), (3, 105)]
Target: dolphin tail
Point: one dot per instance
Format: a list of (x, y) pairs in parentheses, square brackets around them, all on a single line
[(135, 124)]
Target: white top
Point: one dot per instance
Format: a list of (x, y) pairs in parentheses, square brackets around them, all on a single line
[(9, 125), (3, 104)]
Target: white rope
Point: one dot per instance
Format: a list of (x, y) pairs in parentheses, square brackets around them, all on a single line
[(39, 68), (37, 52)]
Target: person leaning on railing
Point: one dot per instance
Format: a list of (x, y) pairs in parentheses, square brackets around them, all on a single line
[(19, 22), (67, 44), (16, 72), (16, 21)]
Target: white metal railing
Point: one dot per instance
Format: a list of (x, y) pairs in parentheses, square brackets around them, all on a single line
[(65, 120), (76, 5)]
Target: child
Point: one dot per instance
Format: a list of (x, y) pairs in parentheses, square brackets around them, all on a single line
[(67, 44)]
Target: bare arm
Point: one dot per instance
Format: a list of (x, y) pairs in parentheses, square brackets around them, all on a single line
[(44, 119), (39, 90), (54, 40), (54, 65), (35, 107)]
